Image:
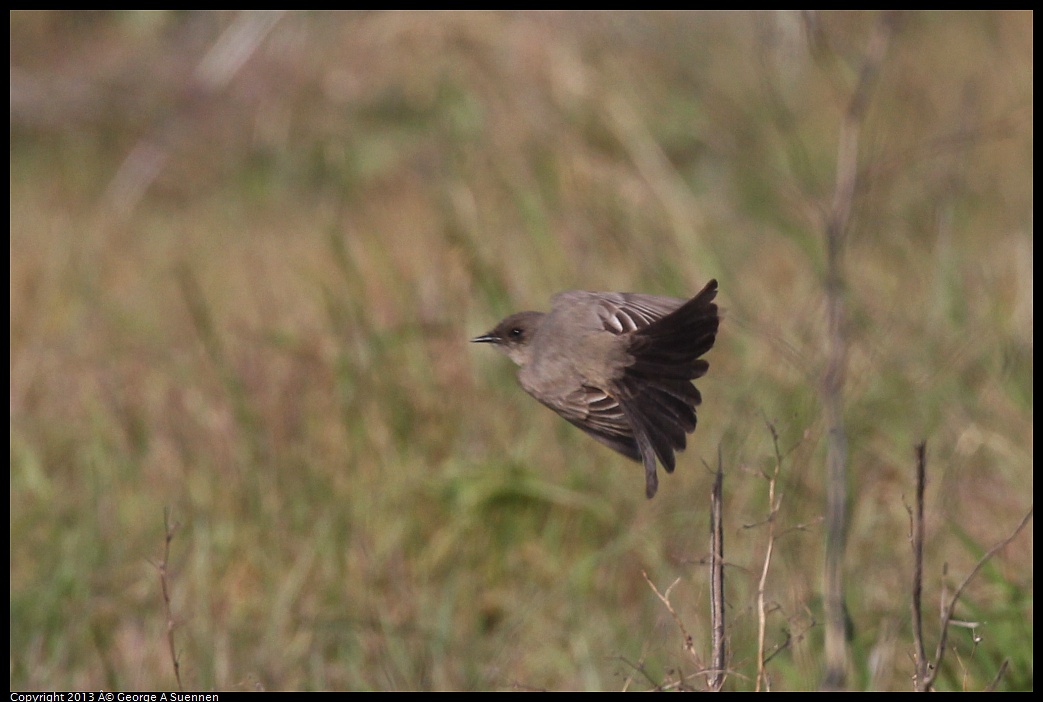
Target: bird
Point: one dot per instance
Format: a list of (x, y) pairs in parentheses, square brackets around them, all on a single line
[(619, 366)]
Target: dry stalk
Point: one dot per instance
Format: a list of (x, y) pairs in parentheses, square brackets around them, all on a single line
[(950, 608), (718, 654), (845, 191), (169, 530), (926, 671), (916, 518), (773, 509)]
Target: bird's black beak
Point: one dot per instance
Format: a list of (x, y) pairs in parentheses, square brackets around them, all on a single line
[(487, 338)]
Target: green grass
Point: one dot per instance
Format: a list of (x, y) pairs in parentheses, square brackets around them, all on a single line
[(272, 346)]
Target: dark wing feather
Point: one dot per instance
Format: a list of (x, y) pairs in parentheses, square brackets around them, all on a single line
[(622, 313), (650, 410), (599, 414), (655, 392)]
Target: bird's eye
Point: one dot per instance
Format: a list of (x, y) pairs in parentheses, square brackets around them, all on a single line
[(515, 333)]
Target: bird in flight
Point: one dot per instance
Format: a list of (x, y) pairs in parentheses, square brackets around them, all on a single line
[(619, 366)]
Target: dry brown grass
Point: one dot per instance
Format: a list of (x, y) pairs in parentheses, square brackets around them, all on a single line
[(262, 328)]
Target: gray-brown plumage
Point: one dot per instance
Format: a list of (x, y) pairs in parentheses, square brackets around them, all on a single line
[(619, 366)]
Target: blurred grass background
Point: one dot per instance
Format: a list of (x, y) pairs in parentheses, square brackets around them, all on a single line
[(245, 297)]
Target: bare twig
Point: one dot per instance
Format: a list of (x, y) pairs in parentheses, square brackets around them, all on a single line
[(927, 671), (170, 530), (639, 668), (947, 611), (665, 598), (790, 640), (916, 518), (718, 654), (999, 676), (845, 189), (773, 508)]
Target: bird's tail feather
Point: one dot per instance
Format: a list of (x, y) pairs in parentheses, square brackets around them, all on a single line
[(657, 394)]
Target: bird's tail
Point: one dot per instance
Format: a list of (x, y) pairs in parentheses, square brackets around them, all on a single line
[(657, 394)]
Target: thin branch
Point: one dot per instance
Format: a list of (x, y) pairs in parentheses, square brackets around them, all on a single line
[(638, 667), (951, 607), (161, 567), (999, 676), (718, 654), (665, 598), (773, 509), (916, 517), (845, 190)]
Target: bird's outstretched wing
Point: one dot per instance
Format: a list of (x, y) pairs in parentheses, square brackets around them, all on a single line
[(599, 414), (648, 411), (622, 313), (656, 393)]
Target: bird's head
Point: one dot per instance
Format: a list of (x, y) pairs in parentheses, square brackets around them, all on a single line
[(513, 335)]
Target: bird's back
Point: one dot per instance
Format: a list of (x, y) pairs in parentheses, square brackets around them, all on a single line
[(619, 366), (614, 312), (632, 387)]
